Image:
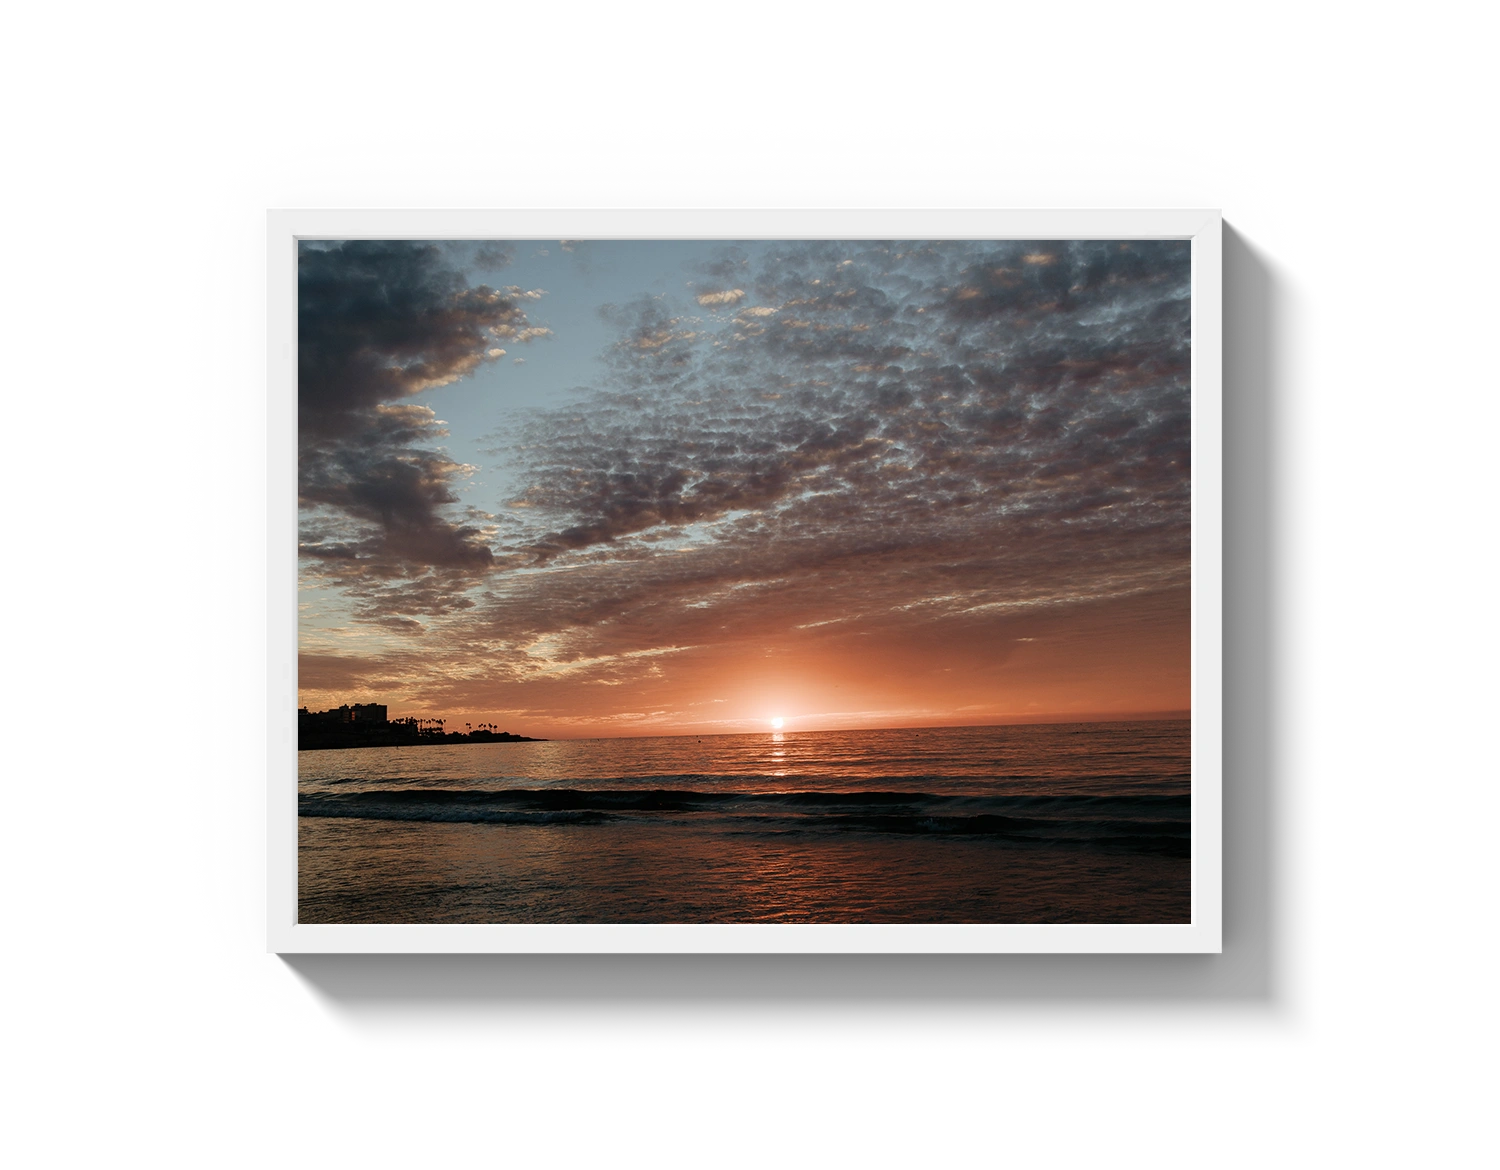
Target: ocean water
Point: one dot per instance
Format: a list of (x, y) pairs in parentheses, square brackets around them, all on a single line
[(1042, 823)]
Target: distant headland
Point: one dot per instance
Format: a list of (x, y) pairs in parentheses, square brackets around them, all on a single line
[(366, 725)]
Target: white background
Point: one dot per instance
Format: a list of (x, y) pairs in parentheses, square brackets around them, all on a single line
[(1349, 1021)]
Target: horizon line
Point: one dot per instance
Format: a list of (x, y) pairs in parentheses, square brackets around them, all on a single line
[(1049, 719), (1013, 721)]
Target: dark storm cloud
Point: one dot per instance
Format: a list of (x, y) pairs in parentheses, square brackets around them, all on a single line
[(379, 321), (924, 430), (400, 491)]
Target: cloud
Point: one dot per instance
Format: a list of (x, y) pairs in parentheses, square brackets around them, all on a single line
[(728, 297), (494, 256), (379, 321), (940, 420), (649, 337)]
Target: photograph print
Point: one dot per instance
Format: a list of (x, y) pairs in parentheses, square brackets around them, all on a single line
[(759, 581)]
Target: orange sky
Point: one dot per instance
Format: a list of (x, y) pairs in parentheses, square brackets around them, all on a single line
[(1104, 659)]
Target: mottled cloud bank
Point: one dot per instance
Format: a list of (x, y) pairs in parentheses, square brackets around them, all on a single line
[(825, 451), (379, 321), (1012, 419)]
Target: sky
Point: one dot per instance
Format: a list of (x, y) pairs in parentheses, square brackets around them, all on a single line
[(602, 488)]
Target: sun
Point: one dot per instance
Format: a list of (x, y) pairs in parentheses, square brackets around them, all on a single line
[(777, 722)]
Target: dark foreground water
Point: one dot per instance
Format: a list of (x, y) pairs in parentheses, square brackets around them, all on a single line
[(1056, 823)]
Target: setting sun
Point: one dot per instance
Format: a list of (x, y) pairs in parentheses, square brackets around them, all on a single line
[(777, 722)]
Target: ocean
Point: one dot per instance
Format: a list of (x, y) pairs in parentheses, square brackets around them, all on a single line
[(1038, 823)]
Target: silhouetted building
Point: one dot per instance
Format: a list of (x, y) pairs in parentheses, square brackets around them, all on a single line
[(368, 725), (365, 714)]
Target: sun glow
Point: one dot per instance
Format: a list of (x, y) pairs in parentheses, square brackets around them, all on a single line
[(777, 722)]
